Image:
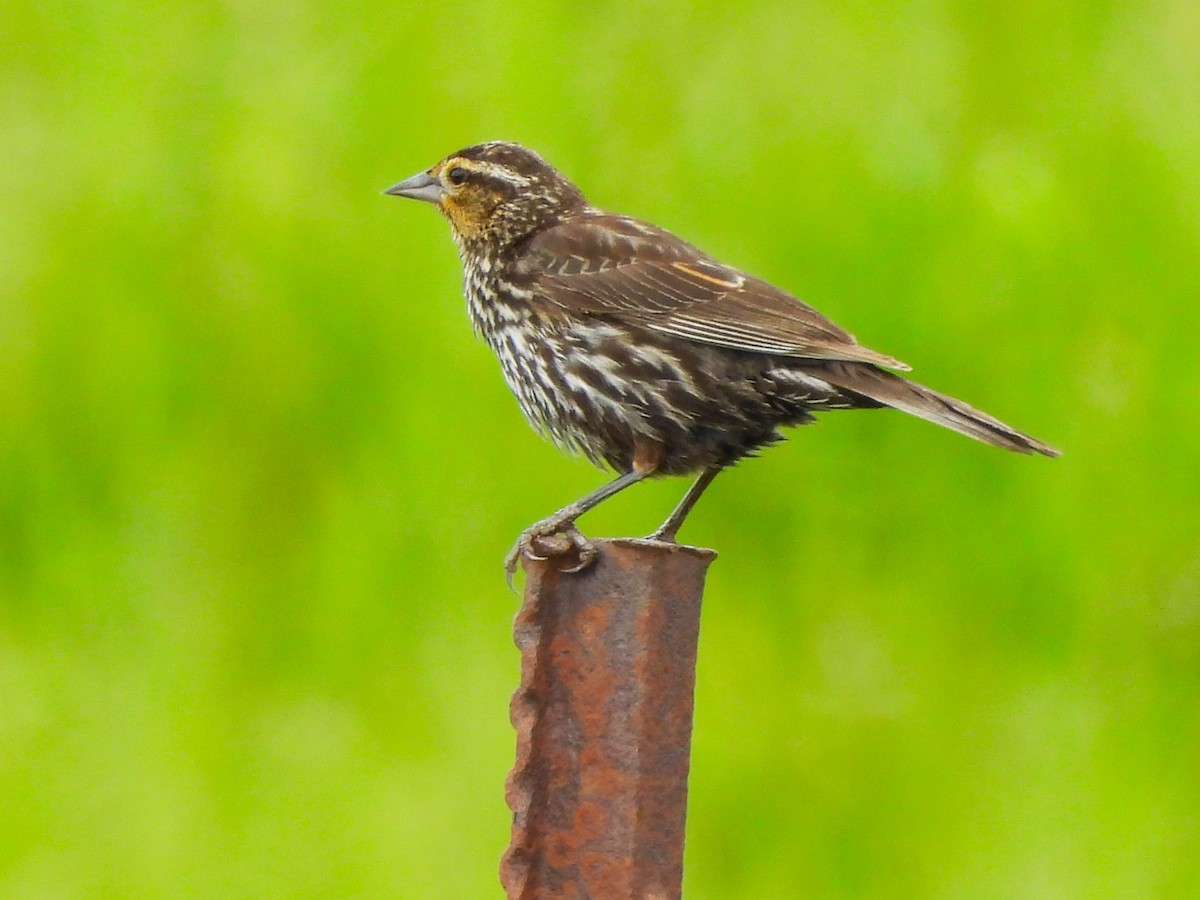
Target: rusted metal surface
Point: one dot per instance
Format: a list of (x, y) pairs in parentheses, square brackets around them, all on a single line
[(604, 723)]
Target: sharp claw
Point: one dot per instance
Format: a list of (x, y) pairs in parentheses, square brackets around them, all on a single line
[(585, 561), (513, 559), (523, 547), (582, 546), (587, 553)]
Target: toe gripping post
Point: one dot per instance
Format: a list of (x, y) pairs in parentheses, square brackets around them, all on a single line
[(603, 717)]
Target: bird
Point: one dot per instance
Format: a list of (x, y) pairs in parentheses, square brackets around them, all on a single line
[(638, 350)]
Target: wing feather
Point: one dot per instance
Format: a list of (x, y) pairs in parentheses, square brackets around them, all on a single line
[(649, 277)]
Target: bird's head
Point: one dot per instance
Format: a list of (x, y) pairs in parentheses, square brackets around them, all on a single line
[(494, 193)]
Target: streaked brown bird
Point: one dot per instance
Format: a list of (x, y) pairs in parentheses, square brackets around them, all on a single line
[(642, 352)]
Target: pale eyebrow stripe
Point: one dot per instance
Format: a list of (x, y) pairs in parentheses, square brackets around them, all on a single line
[(493, 170)]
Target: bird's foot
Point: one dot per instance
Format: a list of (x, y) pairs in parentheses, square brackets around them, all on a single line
[(550, 537)]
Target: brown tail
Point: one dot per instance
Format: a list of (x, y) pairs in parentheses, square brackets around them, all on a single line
[(899, 393)]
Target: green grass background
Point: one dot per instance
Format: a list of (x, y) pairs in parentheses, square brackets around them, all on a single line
[(257, 476)]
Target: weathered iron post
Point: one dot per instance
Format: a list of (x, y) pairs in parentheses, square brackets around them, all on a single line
[(603, 717)]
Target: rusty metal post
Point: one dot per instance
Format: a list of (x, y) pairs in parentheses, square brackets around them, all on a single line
[(604, 723)]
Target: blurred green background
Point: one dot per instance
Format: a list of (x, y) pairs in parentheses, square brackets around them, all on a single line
[(257, 476)]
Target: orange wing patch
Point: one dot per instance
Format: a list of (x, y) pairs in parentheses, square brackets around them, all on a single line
[(711, 274)]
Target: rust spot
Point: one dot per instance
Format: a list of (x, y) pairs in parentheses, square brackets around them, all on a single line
[(603, 717)]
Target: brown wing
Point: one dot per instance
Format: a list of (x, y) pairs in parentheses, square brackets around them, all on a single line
[(635, 272)]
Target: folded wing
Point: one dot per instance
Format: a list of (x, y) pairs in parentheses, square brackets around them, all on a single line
[(621, 268)]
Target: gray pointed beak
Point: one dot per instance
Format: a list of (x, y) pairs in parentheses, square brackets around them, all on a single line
[(421, 186)]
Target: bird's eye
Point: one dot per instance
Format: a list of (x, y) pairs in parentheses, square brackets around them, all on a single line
[(457, 175)]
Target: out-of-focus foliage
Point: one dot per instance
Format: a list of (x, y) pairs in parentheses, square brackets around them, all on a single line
[(257, 477)]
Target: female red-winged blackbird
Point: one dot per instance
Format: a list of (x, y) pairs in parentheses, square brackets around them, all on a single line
[(635, 348)]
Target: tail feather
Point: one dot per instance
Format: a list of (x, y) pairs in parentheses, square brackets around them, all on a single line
[(909, 396)]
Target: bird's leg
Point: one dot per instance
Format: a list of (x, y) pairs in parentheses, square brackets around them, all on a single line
[(667, 530), (563, 522)]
